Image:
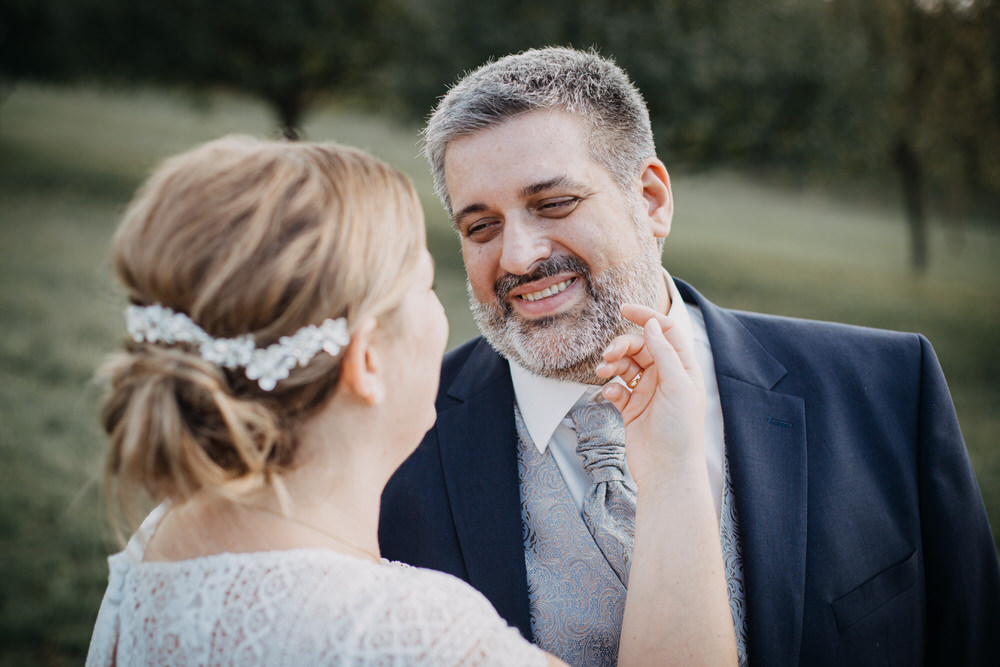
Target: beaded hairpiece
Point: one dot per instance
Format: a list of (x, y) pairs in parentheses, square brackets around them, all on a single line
[(266, 366)]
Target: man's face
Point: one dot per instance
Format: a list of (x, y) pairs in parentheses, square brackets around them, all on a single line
[(552, 244)]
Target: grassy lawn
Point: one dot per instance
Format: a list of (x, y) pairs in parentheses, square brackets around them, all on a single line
[(69, 161)]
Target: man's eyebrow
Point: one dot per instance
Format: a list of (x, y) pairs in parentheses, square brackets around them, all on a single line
[(562, 181)]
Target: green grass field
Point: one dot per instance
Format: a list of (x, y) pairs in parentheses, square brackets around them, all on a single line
[(69, 161)]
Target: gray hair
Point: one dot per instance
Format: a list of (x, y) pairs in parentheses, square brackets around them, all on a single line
[(580, 82)]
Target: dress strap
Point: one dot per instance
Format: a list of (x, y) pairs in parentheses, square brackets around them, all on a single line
[(136, 547)]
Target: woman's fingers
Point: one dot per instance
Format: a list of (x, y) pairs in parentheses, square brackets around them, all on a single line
[(665, 355), (626, 368), (629, 355), (641, 315), (623, 346), (631, 402), (617, 394)]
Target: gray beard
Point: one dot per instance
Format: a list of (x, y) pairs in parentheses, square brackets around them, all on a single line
[(569, 346)]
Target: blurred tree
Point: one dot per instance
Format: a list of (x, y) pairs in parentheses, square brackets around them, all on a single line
[(437, 40), (732, 81), (286, 53), (28, 50), (929, 81)]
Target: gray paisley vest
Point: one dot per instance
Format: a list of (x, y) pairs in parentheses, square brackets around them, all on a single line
[(576, 600)]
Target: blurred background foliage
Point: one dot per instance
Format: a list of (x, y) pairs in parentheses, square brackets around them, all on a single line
[(833, 159), (897, 93)]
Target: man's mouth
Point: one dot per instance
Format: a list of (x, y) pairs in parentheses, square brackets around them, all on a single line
[(548, 291)]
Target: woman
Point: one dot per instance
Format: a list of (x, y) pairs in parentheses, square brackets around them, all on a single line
[(283, 362)]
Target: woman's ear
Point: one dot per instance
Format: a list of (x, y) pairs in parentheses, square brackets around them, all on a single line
[(659, 199), (361, 368)]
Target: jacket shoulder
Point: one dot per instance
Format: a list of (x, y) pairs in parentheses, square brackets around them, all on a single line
[(811, 332), (817, 349), (792, 337)]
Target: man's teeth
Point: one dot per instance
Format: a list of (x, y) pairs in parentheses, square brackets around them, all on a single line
[(548, 291)]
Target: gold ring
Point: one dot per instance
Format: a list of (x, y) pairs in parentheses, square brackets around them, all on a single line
[(635, 380)]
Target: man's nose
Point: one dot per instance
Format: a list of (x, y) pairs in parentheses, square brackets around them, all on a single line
[(523, 247)]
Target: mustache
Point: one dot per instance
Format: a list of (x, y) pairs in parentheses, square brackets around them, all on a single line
[(547, 268)]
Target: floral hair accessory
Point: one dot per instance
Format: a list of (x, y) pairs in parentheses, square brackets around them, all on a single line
[(266, 366)]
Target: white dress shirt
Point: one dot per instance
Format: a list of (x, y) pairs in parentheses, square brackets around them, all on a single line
[(545, 405)]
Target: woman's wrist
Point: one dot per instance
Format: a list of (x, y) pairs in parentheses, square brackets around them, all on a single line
[(685, 468)]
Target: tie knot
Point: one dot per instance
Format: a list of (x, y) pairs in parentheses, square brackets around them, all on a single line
[(600, 440)]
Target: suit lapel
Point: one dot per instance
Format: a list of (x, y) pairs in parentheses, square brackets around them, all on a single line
[(479, 456), (766, 444)]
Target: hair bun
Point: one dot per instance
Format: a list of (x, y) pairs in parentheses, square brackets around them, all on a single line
[(176, 427)]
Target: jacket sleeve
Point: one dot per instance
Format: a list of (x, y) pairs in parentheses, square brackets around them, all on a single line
[(960, 558)]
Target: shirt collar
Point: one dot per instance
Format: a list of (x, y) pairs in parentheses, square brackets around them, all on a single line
[(544, 402)]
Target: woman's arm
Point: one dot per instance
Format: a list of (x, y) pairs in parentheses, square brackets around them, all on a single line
[(677, 609)]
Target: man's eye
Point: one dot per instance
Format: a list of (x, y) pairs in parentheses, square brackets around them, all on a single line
[(562, 205), (479, 228)]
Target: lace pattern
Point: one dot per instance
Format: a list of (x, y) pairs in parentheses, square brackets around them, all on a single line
[(296, 607)]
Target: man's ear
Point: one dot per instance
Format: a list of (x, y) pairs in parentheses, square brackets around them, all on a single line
[(659, 199), (361, 368)]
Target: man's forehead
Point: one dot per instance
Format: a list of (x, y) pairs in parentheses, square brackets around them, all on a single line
[(527, 154), (539, 125)]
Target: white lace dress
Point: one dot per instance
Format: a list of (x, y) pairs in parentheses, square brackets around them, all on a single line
[(295, 607)]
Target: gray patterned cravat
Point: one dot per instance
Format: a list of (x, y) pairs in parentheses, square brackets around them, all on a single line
[(609, 504)]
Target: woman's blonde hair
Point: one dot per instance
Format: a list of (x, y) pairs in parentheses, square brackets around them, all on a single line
[(246, 236)]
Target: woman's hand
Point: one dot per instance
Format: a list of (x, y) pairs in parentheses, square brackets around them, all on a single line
[(664, 412), (677, 609)]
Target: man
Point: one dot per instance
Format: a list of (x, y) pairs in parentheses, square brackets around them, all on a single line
[(850, 519)]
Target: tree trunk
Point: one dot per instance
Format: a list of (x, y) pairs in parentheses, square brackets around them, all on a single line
[(957, 210), (288, 107), (911, 177)]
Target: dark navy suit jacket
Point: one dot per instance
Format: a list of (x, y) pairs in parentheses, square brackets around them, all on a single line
[(863, 532)]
